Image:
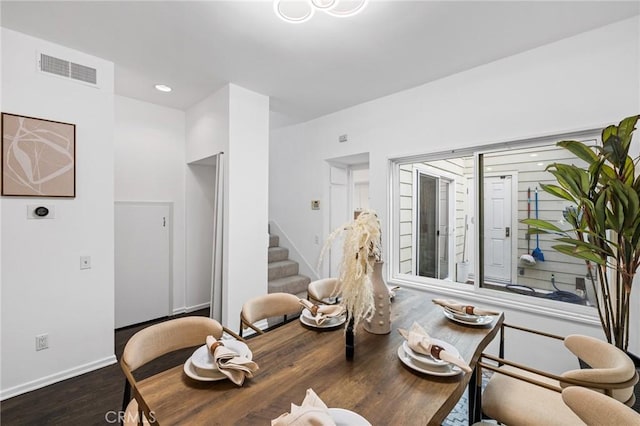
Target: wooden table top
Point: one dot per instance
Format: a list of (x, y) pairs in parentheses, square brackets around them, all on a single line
[(293, 358)]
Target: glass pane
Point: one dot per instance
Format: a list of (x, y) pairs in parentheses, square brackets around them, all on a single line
[(434, 218), (513, 260)]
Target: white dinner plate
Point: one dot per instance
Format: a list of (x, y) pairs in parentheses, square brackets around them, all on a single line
[(307, 318), (428, 359), (344, 417), (202, 358), (445, 370), (473, 320), (202, 375)]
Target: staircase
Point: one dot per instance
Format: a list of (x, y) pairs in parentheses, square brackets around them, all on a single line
[(283, 273)]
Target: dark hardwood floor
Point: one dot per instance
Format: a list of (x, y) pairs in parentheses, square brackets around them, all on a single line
[(90, 399)]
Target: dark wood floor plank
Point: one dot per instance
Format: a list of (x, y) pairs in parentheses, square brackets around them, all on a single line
[(89, 399)]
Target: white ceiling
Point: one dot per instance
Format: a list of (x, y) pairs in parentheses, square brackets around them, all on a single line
[(309, 69)]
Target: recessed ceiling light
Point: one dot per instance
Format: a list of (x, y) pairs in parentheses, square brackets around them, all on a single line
[(163, 88)]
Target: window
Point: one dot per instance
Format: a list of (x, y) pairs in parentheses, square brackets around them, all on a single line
[(449, 231)]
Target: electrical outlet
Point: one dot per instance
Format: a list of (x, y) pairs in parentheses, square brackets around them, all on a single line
[(85, 262), (42, 342), (316, 239)]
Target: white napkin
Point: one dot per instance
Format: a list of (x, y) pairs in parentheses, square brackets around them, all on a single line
[(312, 412), (232, 365), (420, 341), (465, 309), (322, 312)]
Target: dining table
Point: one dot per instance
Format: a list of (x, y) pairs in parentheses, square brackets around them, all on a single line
[(295, 357)]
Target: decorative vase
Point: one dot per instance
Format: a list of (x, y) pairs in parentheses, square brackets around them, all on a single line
[(380, 322)]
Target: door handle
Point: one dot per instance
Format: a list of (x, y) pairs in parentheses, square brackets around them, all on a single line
[(507, 231)]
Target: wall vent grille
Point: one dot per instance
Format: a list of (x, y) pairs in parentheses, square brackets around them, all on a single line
[(68, 69)]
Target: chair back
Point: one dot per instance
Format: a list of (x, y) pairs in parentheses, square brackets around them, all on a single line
[(596, 409), (609, 366), (268, 306), (162, 338), (322, 289)]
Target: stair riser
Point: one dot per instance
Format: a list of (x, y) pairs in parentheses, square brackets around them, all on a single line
[(277, 254), (274, 241), (281, 271), (295, 285)]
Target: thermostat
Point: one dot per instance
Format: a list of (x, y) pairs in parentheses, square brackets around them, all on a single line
[(41, 211)]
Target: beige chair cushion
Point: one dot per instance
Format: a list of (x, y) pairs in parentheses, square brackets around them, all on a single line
[(609, 364), (596, 409), (131, 415), (270, 305), (322, 289), (516, 402), (162, 338)]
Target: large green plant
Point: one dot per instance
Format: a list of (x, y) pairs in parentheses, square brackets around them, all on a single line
[(605, 220)]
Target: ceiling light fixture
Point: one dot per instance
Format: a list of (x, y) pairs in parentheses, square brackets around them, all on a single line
[(163, 88), (298, 11)]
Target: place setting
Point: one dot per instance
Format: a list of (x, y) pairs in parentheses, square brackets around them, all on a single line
[(322, 316), (221, 359), (428, 355), (313, 411), (466, 314)]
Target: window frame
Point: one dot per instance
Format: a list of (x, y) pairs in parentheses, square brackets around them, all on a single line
[(552, 308)]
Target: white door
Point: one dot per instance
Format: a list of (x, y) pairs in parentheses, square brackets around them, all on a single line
[(339, 202), (498, 228), (142, 262)]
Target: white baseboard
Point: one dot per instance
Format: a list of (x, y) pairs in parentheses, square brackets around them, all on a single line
[(187, 309), (57, 377)]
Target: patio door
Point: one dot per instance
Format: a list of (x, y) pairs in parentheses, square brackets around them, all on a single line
[(434, 233)]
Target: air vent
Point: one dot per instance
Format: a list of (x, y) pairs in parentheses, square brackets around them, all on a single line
[(68, 69)]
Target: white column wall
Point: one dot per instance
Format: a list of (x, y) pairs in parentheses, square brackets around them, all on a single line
[(43, 288), (246, 218), (149, 144), (235, 121), (585, 81), (207, 133)]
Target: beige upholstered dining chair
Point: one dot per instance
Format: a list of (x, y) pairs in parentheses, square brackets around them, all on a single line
[(268, 306), (156, 340), (517, 394), (323, 291), (596, 409)]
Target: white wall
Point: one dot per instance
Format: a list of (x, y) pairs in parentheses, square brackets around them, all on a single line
[(43, 289), (246, 216), (207, 133), (557, 88), (234, 121), (149, 146)]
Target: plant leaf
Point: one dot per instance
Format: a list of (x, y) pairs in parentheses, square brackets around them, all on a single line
[(543, 225), (580, 150), (574, 251), (557, 191)]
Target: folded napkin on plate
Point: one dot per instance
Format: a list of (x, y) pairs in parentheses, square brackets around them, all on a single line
[(419, 341), (231, 364), (312, 412), (322, 312), (465, 309)]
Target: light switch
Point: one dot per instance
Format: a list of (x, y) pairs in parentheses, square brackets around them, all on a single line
[(315, 204)]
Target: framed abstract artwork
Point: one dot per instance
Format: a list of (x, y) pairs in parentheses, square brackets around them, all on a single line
[(38, 157)]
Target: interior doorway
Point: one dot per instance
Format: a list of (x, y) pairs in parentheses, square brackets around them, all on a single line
[(348, 195)]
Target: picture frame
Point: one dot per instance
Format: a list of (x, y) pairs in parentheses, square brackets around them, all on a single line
[(38, 157)]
